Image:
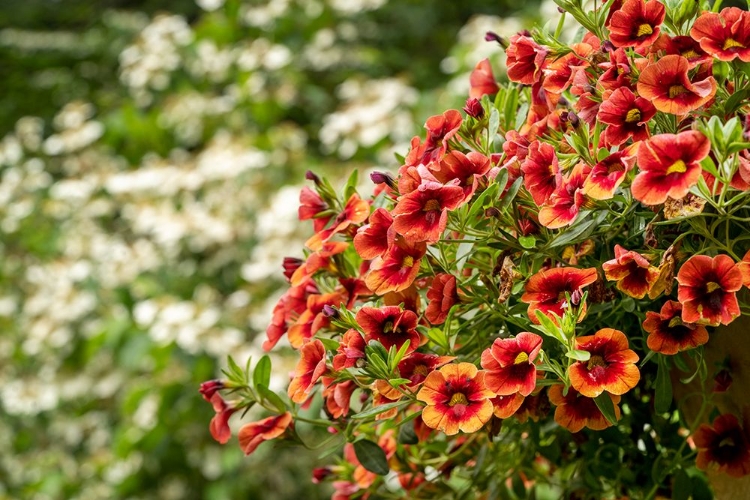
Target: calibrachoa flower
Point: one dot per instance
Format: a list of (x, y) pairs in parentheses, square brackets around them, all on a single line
[(526, 58), (707, 290), (724, 445), (541, 171), (510, 364), (482, 80), (637, 23), (668, 334), (397, 268), (219, 426), (351, 349), (575, 411), (627, 117), (390, 325), (442, 296), (422, 214), (456, 399), (507, 406), (253, 434), (725, 35), (311, 366), (633, 273), (545, 291), (668, 86), (608, 174), (610, 368), (561, 209)]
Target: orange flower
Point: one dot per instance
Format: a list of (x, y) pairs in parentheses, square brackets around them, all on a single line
[(636, 24), (311, 207), (219, 425), (482, 81), (510, 364), (744, 267), (253, 434), (545, 291), (456, 398), (397, 268), (724, 445), (355, 211), (682, 46), (634, 274), (312, 318), (423, 214), (610, 368), (707, 290), (627, 117), (667, 85), (442, 296), (389, 325), (668, 334), (320, 259), (526, 58), (725, 35), (561, 209), (311, 366), (506, 406), (575, 411), (373, 239), (609, 173), (560, 73), (541, 171), (351, 349), (463, 170), (338, 396)]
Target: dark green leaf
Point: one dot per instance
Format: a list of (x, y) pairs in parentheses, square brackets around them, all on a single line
[(663, 397), (271, 397), (606, 406), (681, 488), (377, 410), (371, 456), (406, 434), (511, 194), (262, 373)]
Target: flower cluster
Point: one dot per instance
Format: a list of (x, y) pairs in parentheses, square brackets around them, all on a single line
[(537, 267)]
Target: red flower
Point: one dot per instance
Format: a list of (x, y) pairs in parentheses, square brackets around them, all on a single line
[(682, 46), (616, 72), (575, 411), (667, 85), (669, 165), (708, 289), (351, 348), (744, 267), (668, 334), (311, 366), (456, 398), (463, 170), (636, 24), (373, 239), (610, 368), (482, 81), (724, 445), (423, 214), (338, 397), (442, 296), (219, 425), (440, 130), (609, 173), (289, 307), (633, 272), (320, 259), (254, 433), (312, 318), (627, 116), (562, 208), (311, 207), (355, 211), (397, 268), (726, 35), (510, 364), (415, 366), (525, 59), (389, 325), (211, 387), (545, 291), (541, 171), (506, 406), (560, 73)]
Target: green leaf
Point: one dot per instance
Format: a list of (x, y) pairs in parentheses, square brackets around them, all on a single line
[(478, 205), (329, 344), (735, 101), (606, 406), (681, 488), (494, 123), (527, 242), (663, 397), (377, 410), (406, 434), (351, 185), (548, 327), (510, 195), (371, 456), (271, 397), (579, 355), (262, 373), (235, 372)]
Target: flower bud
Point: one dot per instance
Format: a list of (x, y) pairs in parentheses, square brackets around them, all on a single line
[(290, 265), (330, 311), (474, 108), (211, 387), (383, 178), (491, 36)]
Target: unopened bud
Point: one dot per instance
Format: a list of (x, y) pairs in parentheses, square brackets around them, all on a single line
[(575, 297), (474, 108), (310, 176), (608, 46), (330, 311), (491, 36), (291, 264), (211, 387), (383, 178), (573, 118), (722, 381)]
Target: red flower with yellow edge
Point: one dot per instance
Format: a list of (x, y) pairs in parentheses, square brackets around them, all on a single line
[(457, 399), (442, 296), (633, 273), (682, 46), (668, 334), (546, 290), (560, 73), (525, 59), (311, 366), (373, 239), (389, 325), (723, 446), (482, 80), (355, 211), (707, 290), (744, 267), (397, 268), (351, 349), (608, 174), (507, 406), (636, 23), (510, 364), (667, 85), (415, 367), (541, 171), (575, 411), (253, 434), (627, 117), (423, 214), (610, 368), (562, 208), (669, 165), (725, 35)]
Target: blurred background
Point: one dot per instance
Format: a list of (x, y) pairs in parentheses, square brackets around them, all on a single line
[(151, 156)]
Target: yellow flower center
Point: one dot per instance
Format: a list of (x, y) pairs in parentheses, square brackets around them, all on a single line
[(732, 44), (676, 90), (431, 205), (458, 399), (689, 54), (633, 115), (388, 327), (408, 261), (521, 358), (644, 29), (421, 370), (712, 286), (674, 322), (595, 361), (677, 167), (551, 169)]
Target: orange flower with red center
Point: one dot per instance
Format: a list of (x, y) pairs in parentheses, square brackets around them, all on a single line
[(636, 24), (311, 366), (423, 214), (253, 434), (338, 396), (562, 208), (724, 446), (575, 411), (373, 239), (456, 398), (510, 364), (442, 296), (668, 334), (463, 169), (482, 80), (389, 325), (608, 174), (610, 368), (351, 349), (525, 59), (707, 290), (669, 165), (725, 35), (415, 367), (541, 171), (633, 273), (312, 318), (507, 406), (627, 117), (560, 73), (355, 211), (682, 46), (397, 268), (546, 290), (667, 85)]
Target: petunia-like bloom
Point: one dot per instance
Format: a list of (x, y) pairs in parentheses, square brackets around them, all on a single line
[(682, 46), (633, 273), (312, 318), (351, 349), (744, 267), (253, 434), (373, 239), (668, 334), (355, 211), (442, 296), (708, 290), (456, 398), (560, 73), (311, 366), (397, 268), (610, 368), (389, 325), (219, 425), (525, 59), (667, 85), (510, 364), (541, 171), (723, 445), (463, 170), (440, 130), (545, 290), (608, 174), (575, 411), (312, 206), (561, 209), (287, 309), (338, 396), (636, 23), (725, 35), (320, 259), (423, 214), (669, 165), (506, 406), (627, 117), (482, 80), (617, 71), (415, 367)]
